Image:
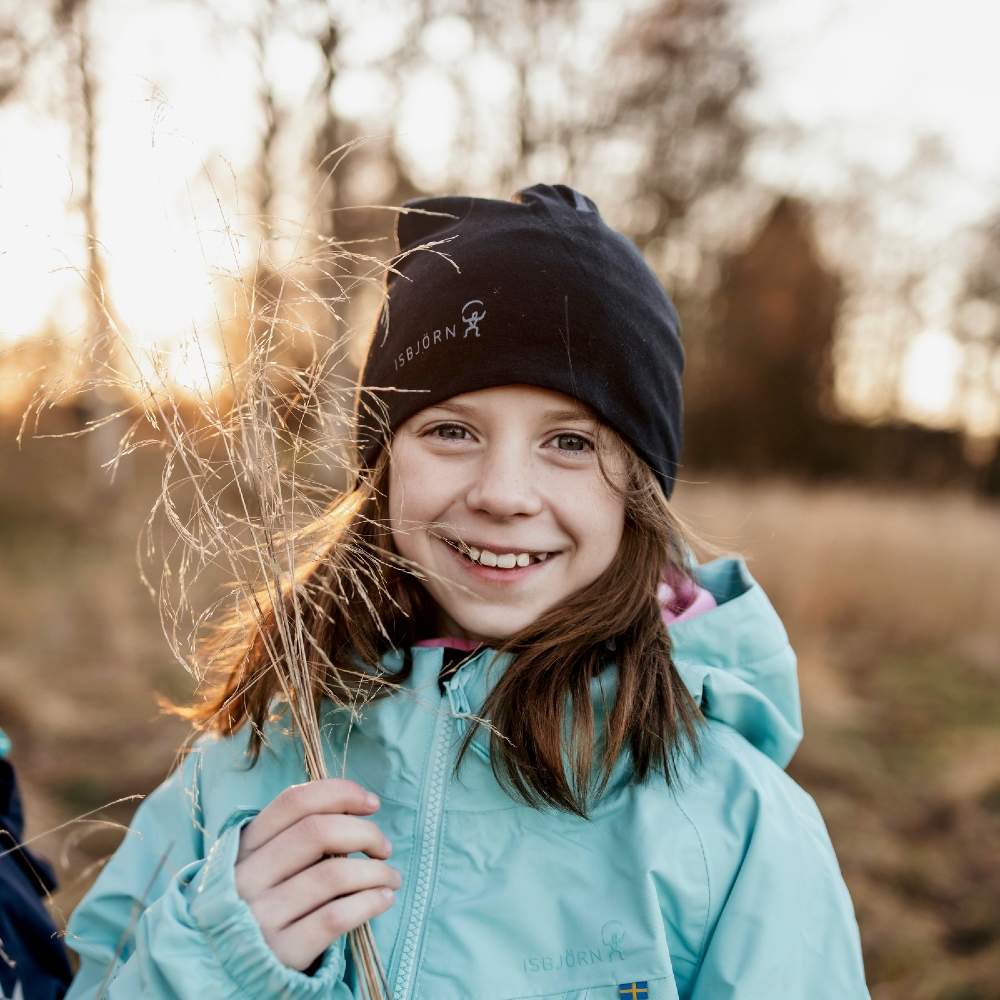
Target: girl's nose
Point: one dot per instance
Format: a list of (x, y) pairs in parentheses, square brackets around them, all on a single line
[(503, 484)]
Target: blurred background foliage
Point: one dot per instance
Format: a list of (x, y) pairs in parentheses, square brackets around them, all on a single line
[(162, 160)]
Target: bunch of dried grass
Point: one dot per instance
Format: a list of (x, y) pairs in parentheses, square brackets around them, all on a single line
[(248, 466)]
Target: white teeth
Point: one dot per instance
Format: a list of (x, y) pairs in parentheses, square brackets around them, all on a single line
[(507, 560)]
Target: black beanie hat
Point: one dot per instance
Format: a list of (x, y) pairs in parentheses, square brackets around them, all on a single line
[(545, 293)]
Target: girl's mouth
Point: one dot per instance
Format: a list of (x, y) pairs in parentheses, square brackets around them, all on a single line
[(497, 566)]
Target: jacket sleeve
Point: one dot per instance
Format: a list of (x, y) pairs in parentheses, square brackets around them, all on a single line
[(780, 921), (164, 921)]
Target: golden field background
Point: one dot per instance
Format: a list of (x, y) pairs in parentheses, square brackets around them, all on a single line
[(890, 598)]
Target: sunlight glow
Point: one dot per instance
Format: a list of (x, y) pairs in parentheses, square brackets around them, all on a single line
[(33, 189), (194, 364), (930, 370)]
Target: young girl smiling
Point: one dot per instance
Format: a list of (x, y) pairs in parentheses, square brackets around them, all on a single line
[(575, 734), (527, 456)]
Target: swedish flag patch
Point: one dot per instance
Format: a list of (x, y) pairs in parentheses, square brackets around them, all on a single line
[(634, 991)]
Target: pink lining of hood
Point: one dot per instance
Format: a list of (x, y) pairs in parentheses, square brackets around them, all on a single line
[(467, 644), (689, 601)]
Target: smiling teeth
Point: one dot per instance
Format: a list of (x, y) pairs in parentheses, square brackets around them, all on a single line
[(507, 560)]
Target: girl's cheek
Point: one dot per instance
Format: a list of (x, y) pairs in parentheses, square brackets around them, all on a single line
[(415, 468), (432, 474)]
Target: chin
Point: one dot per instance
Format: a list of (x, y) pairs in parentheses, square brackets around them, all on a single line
[(488, 629)]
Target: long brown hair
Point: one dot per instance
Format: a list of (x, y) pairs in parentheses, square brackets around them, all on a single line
[(357, 599)]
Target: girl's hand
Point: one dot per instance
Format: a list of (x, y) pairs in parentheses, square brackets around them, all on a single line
[(302, 898)]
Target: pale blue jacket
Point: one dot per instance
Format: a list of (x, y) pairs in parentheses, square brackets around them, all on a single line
[(724, 887)]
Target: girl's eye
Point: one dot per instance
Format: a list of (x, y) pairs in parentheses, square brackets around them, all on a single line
[(577, 439), (448, 427)]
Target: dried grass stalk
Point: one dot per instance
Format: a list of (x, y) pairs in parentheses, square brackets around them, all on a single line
[(249, 462)]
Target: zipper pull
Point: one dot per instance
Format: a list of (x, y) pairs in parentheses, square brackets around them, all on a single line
[(460, 707)]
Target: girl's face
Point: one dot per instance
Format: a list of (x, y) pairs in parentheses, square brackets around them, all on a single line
[(509, 474)]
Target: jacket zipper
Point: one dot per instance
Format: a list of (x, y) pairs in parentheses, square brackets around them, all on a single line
[(427, 861)]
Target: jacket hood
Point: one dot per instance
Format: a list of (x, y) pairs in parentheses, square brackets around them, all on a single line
[(734, 658), (737, 662)]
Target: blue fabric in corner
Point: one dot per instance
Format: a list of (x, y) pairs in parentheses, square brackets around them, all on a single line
[(37, 967)]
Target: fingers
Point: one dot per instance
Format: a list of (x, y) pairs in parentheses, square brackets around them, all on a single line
[(299, 944), (325, 881), (302, 898), (329, 795), (302, 845)]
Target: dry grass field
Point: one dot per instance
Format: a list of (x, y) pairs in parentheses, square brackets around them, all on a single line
[(892, 601)]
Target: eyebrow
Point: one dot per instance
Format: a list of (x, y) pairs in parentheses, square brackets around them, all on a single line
[(570, 413)]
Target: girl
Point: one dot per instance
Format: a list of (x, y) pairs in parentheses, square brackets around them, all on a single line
[(575, 734)]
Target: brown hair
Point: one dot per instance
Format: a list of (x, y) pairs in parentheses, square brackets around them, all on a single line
[(358, 599)]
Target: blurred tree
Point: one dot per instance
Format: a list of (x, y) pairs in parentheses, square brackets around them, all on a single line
[(681, 70), (15, 54), (98, 404), (770, 370), (546, 85), (62, 30), (72, 35), (977, 326), (320, 319), (888, 269), (274, 114), (648, 119), (662, 94)]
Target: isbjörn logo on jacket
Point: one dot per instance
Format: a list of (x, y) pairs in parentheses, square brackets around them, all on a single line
[(612, 938), (473, 313)]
